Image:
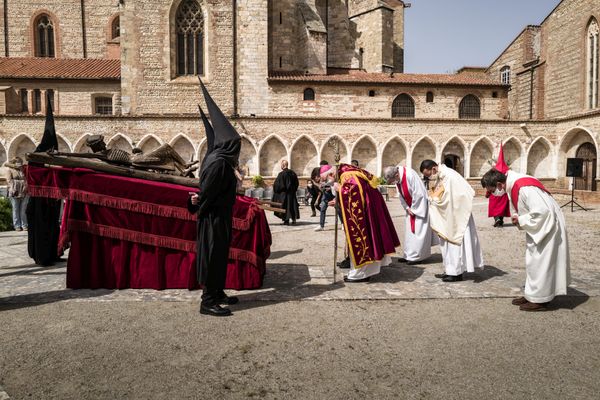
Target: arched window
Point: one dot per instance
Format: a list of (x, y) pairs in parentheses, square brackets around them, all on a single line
[(592, 64), (309, 94), (469, 107), (115, 28), (505, 75), (44, 36), (189, 23), (403, 107)]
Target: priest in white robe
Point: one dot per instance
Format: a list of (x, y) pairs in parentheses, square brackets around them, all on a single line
[(450, 216), (547, 260), (413, 197)]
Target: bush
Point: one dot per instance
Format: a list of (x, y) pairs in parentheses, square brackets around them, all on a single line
[(381, 181), (258, 181), (5, 215)]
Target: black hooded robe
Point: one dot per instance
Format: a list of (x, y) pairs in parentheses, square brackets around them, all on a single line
[(43, 230), (284, 192), (42, 213), (215, 211)]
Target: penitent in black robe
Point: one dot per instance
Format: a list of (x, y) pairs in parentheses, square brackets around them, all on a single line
[(43, 230), (284, 192), (215, 211)]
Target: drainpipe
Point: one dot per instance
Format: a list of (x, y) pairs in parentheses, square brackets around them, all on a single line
[(83, 36), (5, 28), (327, 33), (235, 77)]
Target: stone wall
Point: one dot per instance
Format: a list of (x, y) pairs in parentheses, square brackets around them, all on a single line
[(353, 100), (564, 50), (149, 81), (66, 16), (374, 142)]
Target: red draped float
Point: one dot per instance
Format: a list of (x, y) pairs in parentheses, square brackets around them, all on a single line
[(133, 233)]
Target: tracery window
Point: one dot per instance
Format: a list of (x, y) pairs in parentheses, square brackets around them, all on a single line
[(44, 37), (189, 22)]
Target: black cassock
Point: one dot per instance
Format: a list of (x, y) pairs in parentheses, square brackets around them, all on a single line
[(214, 209), (284, 192), (43, 229)]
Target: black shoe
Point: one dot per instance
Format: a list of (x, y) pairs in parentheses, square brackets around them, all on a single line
[(344, 264), (367, 279), (452, 278), (402, 260), (413, 262), (313, 214), (214, 310), (440, 276), (293, 222), (286, 222), (228, 300)]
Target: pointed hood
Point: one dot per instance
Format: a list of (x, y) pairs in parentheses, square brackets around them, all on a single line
[(208, 131), (228, 142), (49, 140), (501, 164), (224, 131)]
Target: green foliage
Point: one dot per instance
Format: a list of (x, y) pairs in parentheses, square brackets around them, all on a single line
[(5, 215), (381, 181), (258, 181)]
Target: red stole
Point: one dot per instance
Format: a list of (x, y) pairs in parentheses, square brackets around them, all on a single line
[(408, 198), (522, 182)]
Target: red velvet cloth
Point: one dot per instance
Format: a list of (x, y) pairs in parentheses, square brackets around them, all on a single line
[(132, 233)]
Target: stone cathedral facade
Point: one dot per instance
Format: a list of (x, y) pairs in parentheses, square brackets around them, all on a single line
[(293, 74)]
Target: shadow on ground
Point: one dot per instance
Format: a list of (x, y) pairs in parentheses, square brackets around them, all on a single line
[(36, 299), (571, 301)]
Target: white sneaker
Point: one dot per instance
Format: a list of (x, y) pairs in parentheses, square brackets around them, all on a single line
[(319, 229)]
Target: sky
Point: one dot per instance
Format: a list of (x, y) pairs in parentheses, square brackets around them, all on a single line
[(442, 36)]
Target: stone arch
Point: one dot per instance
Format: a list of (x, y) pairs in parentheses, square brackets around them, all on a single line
[(184, 146), (513, 153), (149, 143), (304, 156), (120, 141), (271, 152), (21, 145), (453, 154), (571, 142), (394, 153), (249, 156), (424, 149), (365, 152), (539, 158), (481, 157), (3, 155), (63, 144), (327, 150), (79, 146)]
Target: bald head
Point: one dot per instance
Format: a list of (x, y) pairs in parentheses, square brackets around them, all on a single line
[(284, 164), (390, 174)]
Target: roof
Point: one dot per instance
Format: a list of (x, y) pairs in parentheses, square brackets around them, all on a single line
[(358, 76), (59, 68)]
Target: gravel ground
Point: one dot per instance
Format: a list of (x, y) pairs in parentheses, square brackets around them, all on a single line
[(410, 349), (303, 338)]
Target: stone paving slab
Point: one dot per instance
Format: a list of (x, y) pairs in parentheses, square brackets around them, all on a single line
[(300, 268)]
